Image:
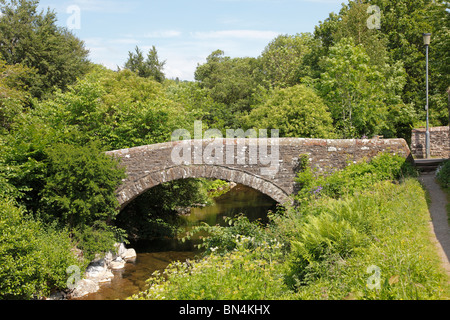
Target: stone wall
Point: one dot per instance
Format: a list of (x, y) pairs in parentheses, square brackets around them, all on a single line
[(149, 166), (439, 142)]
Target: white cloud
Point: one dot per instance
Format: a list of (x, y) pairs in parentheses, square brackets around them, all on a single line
[(104, 6), (237, 34), (163, 34)]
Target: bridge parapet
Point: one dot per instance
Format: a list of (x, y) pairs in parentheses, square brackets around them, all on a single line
[(149, 166)]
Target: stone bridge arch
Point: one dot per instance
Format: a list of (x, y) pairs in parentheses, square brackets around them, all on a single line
[(132, 190)]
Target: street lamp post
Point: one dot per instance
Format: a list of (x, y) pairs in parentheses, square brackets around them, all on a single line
[(427, 41)]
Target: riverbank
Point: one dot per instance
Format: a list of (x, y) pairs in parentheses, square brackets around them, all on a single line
[(99, 271), (157, 254), (361, 233)]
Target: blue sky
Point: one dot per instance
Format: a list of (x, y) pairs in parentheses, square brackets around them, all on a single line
[(185, 32)]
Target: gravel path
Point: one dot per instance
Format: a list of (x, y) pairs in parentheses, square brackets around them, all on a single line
[(439, 219)]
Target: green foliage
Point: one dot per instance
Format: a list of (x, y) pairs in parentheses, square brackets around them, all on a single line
[(353, 178), (80, 186), (194, 98), (232, 82), (120, 109), (443, 174), (95, 239), (34, 40), (282, 61), (398, 42), (356, 91), (148, 68), (13, 95), (242, 274), (240, 231), (33, 257), (385, 226), (296, 111)]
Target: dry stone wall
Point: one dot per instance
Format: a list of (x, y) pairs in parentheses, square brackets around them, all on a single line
[(439, 143)]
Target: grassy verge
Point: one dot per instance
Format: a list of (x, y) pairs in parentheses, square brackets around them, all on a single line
[(370, 242), (443, 177)]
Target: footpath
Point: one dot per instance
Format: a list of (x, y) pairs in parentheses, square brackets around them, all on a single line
[(439, 218)]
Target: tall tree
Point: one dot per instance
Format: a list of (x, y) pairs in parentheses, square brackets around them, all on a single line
[(33, 39), (354, 90), (146, 68), (403, 22), (232, 82), (397, 41), (13, 92), (296, 111), (282, 61)]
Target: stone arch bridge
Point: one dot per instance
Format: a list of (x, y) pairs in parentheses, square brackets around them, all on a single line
[(270, 171)]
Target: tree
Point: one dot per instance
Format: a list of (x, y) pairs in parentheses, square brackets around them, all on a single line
[(13, 92), (120, 109), (296, 111), (354, 24), (282, 61), (353, 90), (146, 68), (397, 42), (403, 22), (34, 40), (440, 66), (232, 82)]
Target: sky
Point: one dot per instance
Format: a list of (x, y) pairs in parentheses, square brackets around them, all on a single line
[(185, 32)]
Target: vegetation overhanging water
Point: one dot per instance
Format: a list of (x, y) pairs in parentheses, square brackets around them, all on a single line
[(159, 253)]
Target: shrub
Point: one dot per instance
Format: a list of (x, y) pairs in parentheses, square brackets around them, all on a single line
[(98, 238), (353, 178), (241, 274), (33, 257), (296, 111), (221, 240), (81, 184), (443, 174)]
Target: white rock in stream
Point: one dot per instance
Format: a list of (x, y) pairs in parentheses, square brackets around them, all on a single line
[(117, 263), (129, 254), (100, 270), (85, 287)]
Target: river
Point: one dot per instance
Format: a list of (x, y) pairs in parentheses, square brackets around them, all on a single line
[(158, 254)]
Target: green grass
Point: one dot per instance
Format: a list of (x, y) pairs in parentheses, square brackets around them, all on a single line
[(443, 178), (392, 224)]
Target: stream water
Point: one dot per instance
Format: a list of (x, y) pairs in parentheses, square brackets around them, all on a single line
[(158, 254)]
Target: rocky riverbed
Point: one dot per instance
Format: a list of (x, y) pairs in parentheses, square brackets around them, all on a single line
[(99, 271)]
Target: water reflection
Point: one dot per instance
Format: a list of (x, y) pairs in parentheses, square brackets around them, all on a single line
[(158, 254)]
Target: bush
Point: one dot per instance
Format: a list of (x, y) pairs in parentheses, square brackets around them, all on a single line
[(221, 240), (297, 112), (353, 178), (95, 239), (443, 174), (33, 257), (241, 274), (81, 184)]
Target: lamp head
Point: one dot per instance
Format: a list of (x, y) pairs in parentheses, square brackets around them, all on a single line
[(427, 39)]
